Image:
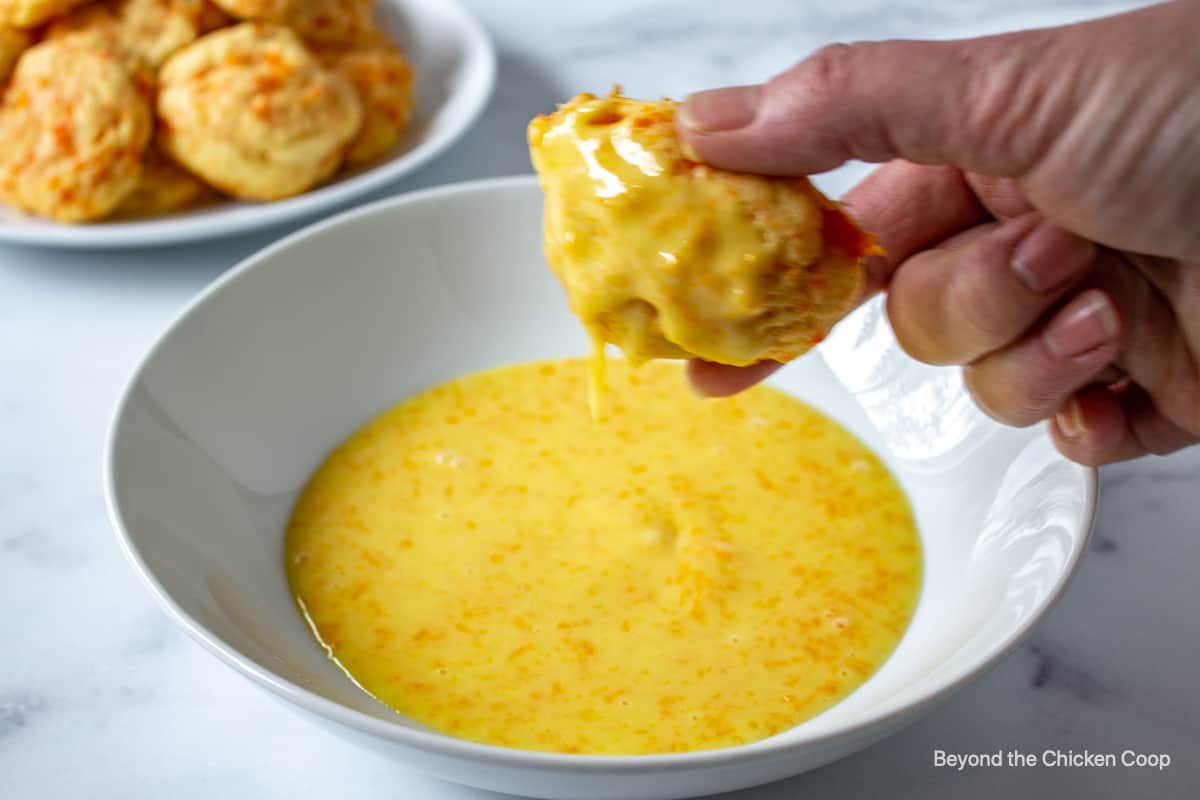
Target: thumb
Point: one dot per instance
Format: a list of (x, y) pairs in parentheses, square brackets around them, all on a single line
[(989, 105)]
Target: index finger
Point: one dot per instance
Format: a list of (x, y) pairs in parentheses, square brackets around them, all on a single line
[(910, 207)]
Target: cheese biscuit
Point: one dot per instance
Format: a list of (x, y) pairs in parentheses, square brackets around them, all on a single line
[(31, 13), (384, 82), (251, 111), (668, 258), (74, 122), (164, 188), (13, 42), (149, 29), (319, 21)]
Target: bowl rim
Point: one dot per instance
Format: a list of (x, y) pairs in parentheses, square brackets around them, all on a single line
[(445, 744), (241, 217)]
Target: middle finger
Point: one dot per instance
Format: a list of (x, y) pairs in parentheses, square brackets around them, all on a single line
[(956, 303)]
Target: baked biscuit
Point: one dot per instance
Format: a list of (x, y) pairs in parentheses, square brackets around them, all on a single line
[(148, 29), (384, 82), (31, 13), (669, 258), (164, 188), (252, 112), (13, 42), (318, 21), (211, 17), (74, 123)]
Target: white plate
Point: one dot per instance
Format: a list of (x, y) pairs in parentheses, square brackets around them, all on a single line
[(290, 352), (455, 67)]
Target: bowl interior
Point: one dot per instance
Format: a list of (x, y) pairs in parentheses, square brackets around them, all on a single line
[(284, 358)]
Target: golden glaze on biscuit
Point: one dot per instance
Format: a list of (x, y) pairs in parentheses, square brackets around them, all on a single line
[(318, 21), (669, 258), (13, 42), (164, 188), (149, 29), (74, 123), (31, 13), (251, 111), (384, 82)]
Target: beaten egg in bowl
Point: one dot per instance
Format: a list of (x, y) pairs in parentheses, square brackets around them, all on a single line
[(690, 574)]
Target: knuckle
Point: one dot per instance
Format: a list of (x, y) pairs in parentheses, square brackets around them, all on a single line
[(917, 348), (1012, 402), (975, 302), (1005, 97), (984, 394), (952, 309), (830, 69), (830, 79), (912, 333)]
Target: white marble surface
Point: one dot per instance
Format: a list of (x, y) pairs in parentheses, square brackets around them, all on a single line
[(101, 697)]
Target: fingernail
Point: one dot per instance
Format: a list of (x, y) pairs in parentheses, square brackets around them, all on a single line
[(1070, 420), (1049, 257), (1089, 321), (720, 110)]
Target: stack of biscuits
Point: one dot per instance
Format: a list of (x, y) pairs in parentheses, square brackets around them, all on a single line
[(134, 108)]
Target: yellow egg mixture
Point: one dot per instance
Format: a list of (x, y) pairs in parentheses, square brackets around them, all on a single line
[(689, 574)]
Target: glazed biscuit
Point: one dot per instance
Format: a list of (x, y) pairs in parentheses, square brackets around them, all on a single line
[(384, 82), (31, 13), (74, 123), (150, 30), (669, 258), (326, 22), (253, 113), (13, 42)]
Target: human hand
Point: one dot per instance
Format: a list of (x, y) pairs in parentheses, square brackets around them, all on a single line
[(1040, 212)]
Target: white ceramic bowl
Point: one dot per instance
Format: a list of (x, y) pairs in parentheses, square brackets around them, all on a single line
[(289, 353), (455, 66)]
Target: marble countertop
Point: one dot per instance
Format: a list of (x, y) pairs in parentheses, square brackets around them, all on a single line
[(101, 697)]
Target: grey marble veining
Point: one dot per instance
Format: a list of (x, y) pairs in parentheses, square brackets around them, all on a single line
[(100, 696)]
